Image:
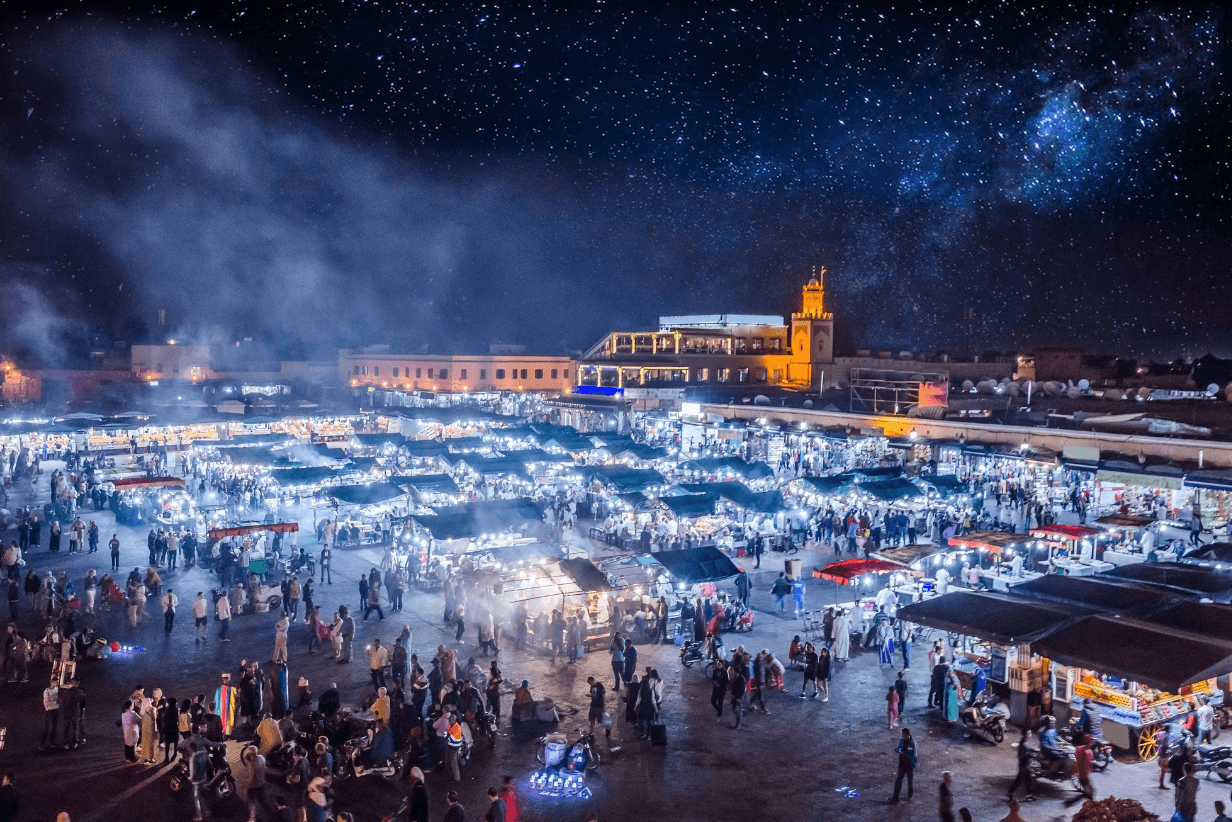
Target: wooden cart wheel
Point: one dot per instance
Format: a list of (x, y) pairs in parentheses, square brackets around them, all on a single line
[(1148, 747)]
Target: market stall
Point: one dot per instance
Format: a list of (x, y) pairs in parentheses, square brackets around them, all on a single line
[(1214, 584), (1071, 549), (1005, 560), (1140, 675), (925, 559), (1126, 538)]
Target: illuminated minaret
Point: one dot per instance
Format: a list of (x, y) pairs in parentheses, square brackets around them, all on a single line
[(812, 333)]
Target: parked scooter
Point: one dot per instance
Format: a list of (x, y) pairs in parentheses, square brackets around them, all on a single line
[(691, 653), (986, 717), (357, 761)]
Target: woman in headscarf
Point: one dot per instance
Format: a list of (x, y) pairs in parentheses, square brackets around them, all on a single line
[(885, 634)]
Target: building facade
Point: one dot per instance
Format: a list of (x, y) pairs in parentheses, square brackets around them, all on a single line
[(376, 367), (717, 349)]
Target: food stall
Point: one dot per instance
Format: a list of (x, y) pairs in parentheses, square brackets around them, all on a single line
[(1071, 549), (1139, 674), (924, 560), (1005, 560), (1205, 582), (1003, 625), (575, 587), (1121, 542), (865, 577)]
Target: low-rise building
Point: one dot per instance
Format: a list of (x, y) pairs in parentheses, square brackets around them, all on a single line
[(376, 367)]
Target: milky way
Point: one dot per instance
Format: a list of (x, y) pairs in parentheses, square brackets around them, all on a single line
[(989, 174)]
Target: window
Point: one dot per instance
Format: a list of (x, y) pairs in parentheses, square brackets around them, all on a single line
[(356, 370), (723, 374), (554, 370), (566, 373), (756, 344), (395, 372), (483, 373), (444, 372), (418, 373), (463, 376), (365, 370), (523, 373), (500, 373), (742, 375), (538, 373), (703, 374), (376, 370), (760, 374), (774, 344)]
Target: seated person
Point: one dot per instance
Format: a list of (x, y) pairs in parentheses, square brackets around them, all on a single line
[(796, 651), (523, 703)]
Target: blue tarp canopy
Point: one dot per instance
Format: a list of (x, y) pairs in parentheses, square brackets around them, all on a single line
[(1214, 480), (490, 466), (474, 519), (891, 489), (425, 448), (249, 455), (690, 505), (302, 475), (637, 451), (625, 479), (366, 494), (379, 439), (427, 483), (693, 565)]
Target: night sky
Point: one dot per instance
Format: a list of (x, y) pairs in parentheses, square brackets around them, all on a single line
[(316, 174)]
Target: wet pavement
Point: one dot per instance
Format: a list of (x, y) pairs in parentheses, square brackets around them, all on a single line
[(806, 760)]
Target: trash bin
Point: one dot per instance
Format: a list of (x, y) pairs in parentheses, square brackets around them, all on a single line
[(792, 567)]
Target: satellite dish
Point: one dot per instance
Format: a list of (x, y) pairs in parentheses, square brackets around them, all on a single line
[(1012, 389), (1073, 393), (1212, 390), (1053, 389), (808, 403), (761, 399), (1084, 385), (967, 385)]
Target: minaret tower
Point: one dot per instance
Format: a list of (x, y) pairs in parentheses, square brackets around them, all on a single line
[(812, 333)]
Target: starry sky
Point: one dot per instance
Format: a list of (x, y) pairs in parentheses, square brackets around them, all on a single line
[(976, 175)]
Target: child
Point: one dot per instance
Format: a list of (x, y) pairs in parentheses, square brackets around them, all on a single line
[(892, 707)]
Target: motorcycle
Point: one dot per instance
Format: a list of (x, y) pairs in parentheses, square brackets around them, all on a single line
[(1061, 768), (986, 717), (554, 751), (481, 725), (221, 784), (1101, 749), (356, 761), (692, 652), (297, 565), (1217, 758)]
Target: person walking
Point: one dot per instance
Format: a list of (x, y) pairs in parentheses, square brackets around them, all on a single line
[(378, 658), (200, 620), (1082, 767), (170, 603), (347, 632), (891, 699), (906, 766), (293, 596), (51, 713), (222, 610), (630, 660), (1187, 795), (739, 686), (719, 684), (1024, 775), (945, 799), (114, 545), (374, 601), (281, 627), (780, 589), (327, 576), (617, 649)]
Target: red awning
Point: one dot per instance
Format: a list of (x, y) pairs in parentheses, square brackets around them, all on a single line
[(1064, 532), (847, 571), (241, 530), (148, 482), (994, 541)]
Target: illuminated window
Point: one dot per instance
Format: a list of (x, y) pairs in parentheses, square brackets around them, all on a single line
[(365, 370), (703, 374), (742, 375), (760, 374), (538, 373), (723, 374), (500, 373)]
